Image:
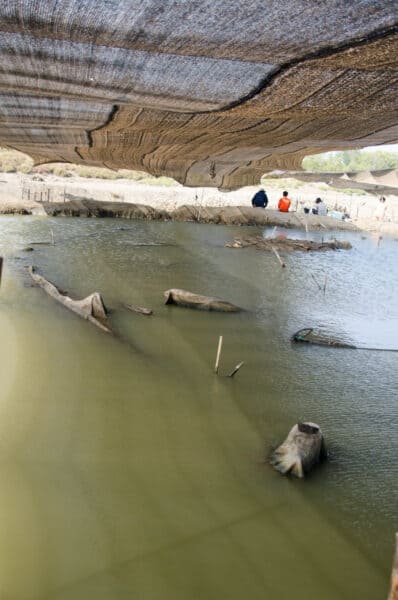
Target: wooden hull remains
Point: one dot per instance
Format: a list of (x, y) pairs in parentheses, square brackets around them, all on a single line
[(303, 448), (91, 308), (307, 336), (138, 309), (285, 244), (192, 300)]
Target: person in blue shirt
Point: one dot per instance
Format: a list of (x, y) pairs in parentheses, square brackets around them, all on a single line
[(260, 199)]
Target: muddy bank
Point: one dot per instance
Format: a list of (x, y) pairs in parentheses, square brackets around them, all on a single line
[(22, 194), (246, 215), (75, 206), (87, 207), (17, 206)]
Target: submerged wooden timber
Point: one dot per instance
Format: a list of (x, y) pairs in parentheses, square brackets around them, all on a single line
[(287, 244), (303, 448), (192, 300), (308, 336), (91, 308), (138, 309)]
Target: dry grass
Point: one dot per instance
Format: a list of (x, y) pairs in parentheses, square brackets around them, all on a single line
[(12, 161)]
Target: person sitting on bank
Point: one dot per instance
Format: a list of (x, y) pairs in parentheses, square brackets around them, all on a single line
[(284, 203), (380, 211), (260, 199), (320, 208)]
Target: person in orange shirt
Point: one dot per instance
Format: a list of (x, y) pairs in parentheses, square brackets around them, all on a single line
[(284, 203)]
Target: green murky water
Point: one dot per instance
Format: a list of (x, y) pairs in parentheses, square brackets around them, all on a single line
[(129, 470)]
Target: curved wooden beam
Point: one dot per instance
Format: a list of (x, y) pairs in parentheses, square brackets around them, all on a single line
[(91, 308)]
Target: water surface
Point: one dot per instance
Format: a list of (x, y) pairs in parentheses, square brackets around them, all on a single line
[(129, 470)]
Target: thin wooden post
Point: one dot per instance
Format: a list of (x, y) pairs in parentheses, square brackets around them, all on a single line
[(1, 267), (218, 354), (236, 369), (325, 284), (318, 286), (275, 251)]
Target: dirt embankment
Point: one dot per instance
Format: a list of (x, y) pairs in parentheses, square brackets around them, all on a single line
[(124, 199), (230, 215)]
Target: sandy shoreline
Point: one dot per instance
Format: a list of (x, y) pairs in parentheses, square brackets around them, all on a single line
[(22, 194)]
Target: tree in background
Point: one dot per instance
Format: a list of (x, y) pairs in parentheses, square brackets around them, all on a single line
[(351, 160)]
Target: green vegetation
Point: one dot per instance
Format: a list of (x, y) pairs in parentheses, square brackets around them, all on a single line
[(276, 182), (351, 160), (353, 192)]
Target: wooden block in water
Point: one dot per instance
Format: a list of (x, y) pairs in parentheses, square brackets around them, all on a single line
[(138, 309)]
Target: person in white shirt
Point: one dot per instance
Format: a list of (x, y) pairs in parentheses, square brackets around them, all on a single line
[(380, 209), (320, 208)]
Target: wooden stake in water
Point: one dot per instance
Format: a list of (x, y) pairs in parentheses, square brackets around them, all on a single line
[(318, 286), (218, 354), (275, 251), (1, 267), (236, 369), (325, 284), (52, 237)]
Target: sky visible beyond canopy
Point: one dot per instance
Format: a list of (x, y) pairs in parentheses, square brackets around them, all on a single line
[(387, 147)]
